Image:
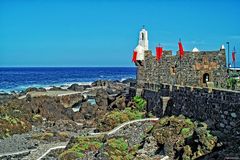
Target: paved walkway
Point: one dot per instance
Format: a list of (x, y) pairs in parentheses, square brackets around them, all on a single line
[(43, 150), (50, 149), (17, 153), (130, 122), (123, 125)]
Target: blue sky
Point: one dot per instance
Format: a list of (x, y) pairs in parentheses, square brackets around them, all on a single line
[(105, 32)]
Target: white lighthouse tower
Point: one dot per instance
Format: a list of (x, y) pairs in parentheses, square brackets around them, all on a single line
[(142, 44)]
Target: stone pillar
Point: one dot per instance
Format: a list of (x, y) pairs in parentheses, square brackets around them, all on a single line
[(164, 103), (140, 78)]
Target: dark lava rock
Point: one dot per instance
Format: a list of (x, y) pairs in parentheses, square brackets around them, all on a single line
[(101, 83), (4, 97), (32, 89), (63, 125), (50, 108), (101, 97), (71, 100), (86, 112), (77, 87), (119, 103), (54, 88)]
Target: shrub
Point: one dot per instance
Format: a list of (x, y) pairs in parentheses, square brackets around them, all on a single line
[(47, 136), (140, 103), (82, 146), (231, 83), (186, 132), (117, 117), (118, 144), (118, 148)]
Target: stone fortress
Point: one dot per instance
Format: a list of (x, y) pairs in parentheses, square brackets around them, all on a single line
[(196, 68), (194, 87)]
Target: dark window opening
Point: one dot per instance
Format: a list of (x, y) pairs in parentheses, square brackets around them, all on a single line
[(173, 70), (143, 38), (205, 78)]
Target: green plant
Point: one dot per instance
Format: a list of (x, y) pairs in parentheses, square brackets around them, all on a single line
[(186, 132), (82, 146), (118, 148), (231, 83), (140, 103), (118, 143), (189, 123), (117, 117), (9, 119)]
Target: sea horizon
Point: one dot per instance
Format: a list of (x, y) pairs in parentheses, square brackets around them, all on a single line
[(20, 78)]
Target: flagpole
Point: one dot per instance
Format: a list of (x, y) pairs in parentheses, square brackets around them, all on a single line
[(180, 75), (234, 58), (180, 69), (160, 65), (228, 54)]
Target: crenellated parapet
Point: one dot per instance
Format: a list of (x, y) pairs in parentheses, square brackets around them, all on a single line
[(205, 68), (194, 68)]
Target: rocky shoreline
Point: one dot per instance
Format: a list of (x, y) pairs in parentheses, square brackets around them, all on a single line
[(37, 117), (87, 120)]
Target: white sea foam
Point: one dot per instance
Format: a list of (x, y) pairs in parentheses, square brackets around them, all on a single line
[(125, 78), (45, 86), (67, 84)]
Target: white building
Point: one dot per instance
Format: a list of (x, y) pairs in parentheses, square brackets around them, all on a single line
[(142, 44), (195, 50)]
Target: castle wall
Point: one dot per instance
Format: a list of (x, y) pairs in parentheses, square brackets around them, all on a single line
[(219, 108), (189, 71)]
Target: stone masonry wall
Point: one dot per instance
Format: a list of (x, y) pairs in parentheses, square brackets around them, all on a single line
[(189, 71), (220, 109)]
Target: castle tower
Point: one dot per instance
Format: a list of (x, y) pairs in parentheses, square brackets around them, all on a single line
[(143, 38), (142, 44), (140, 49)]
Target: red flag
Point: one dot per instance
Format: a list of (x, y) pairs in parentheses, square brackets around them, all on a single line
[(233, 56), (159, 51), (134, 58), (181, 51)]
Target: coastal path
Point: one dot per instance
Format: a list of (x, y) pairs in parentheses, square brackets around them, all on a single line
[(44, 149), (123, 125), (102, 133)]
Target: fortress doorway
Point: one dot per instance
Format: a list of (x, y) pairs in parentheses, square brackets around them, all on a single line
[(206, 78)]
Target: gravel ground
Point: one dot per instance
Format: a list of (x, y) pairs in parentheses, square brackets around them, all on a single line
[(17, 143), (22, 146)]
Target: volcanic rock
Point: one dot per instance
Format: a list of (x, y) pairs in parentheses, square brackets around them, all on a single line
[(101, 97), (54, 88), (77, 87), (119, 103), (101, 83)]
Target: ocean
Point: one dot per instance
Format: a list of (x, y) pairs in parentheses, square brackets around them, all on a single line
[(18, 79)]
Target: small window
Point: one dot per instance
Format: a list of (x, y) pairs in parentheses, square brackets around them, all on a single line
[(173, 70), (143, 38), (206, 78)]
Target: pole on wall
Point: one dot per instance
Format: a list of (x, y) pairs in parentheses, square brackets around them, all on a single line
[(228, 55)]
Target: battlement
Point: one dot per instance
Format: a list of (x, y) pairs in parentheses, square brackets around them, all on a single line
[(202, 69)]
